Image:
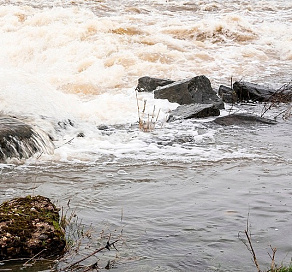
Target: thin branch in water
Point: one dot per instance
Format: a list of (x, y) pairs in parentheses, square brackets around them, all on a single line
[(153, 114), (107, 246), (32, 258), (274, 250), (138, 109), (249, 245), (157, 115), (68, 142), (279, 96), (248, 236), (144, 106)]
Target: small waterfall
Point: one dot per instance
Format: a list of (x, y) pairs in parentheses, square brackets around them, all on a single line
[(21, 141)]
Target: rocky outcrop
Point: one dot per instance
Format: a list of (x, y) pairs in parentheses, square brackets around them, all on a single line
[(30, 226), (20, 140), (252, 92), (249, 92), (195, 90), (242, 119), (227, 94), (149, 84), (193, 111)]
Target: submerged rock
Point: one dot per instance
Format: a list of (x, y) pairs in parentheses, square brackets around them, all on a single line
[(242, 119), (193, 111), (30, 226), (20, 140)]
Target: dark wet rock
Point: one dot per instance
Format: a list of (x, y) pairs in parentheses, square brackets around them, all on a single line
[(80, 135), (20, 140), (247, 91), (65, 124), (242, 119), (103, 127), (149, 84), (227, 94), (176, 92), (30, 226), (195, 90), (193, 111)]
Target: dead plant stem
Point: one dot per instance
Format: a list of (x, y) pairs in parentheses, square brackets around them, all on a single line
[(107, 246)]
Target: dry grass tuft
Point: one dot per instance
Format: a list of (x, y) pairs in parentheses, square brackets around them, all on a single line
[(147, 121)]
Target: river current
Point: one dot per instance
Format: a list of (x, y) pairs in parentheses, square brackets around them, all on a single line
[(183, 192)]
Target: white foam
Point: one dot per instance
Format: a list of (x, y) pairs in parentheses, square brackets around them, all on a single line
[(72, 63)]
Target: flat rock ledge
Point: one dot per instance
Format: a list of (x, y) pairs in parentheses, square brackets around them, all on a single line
[(30, 226), (242, 119), (193, 111)]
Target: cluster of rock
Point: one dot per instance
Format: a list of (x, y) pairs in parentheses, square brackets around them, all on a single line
[(246, 91), (197, 98), (195, 95), (29, 226)]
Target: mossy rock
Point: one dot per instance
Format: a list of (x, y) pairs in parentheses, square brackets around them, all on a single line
[(30, 226)]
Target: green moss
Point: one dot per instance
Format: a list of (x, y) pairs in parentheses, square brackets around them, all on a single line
[(24, 221), (56, 225)]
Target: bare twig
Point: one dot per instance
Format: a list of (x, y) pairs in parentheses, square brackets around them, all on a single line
[(248, 236), (144, 106), (138, 109), (107, 246), (249, 245), (153, 114), (274, 250), (32, 258), (279, 96), (157, 115)]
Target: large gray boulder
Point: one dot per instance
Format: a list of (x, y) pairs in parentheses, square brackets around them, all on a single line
[(195, 90), (193, 111), (20, 140), (247, 91)]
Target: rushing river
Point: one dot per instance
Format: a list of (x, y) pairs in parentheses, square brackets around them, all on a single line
[(184, 191)]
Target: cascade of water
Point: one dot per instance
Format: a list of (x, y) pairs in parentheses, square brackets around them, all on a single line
[(20, 140)]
